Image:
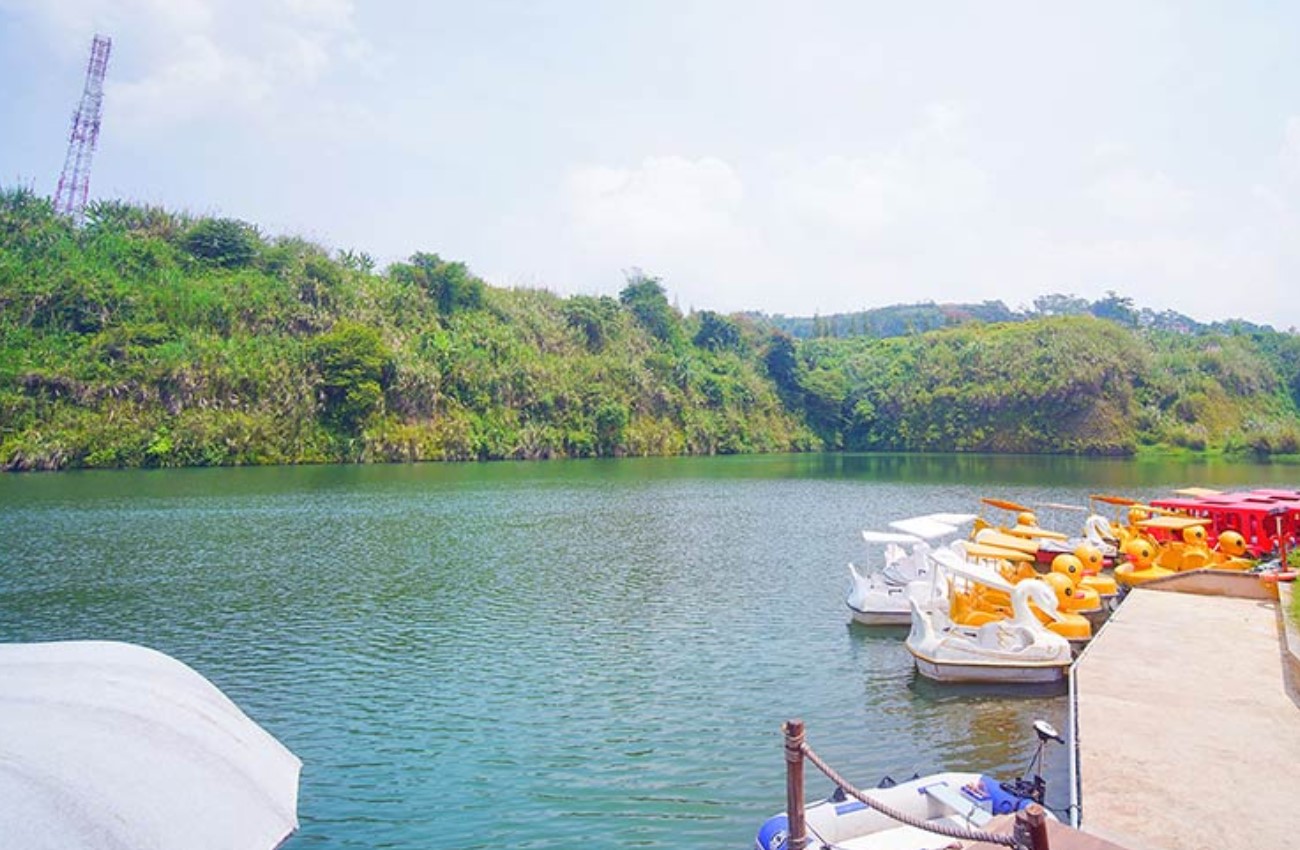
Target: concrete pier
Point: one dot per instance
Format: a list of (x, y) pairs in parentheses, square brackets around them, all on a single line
[(1188, 727)]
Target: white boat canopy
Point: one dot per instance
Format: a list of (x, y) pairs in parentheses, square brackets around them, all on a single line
[(931, 526), (112, 745), (955, 564), (889, 537), (952, 519)]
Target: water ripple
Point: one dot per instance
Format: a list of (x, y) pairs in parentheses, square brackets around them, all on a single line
[(523, 655)]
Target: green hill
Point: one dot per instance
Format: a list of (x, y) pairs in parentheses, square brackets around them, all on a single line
[(151, 338)]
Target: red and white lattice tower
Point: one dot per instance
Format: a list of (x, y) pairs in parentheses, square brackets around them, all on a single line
[(74, 182)]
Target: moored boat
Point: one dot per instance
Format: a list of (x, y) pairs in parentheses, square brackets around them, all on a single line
[(906, 815), (880, 597), (1015, 649)]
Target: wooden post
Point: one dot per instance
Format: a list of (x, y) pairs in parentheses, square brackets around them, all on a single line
[(1030, 830), (797, 838)]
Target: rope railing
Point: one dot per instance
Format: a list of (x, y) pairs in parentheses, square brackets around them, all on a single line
[(1030, 832), (946, 830)]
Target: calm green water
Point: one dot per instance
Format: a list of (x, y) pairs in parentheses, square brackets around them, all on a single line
[(530, 655)]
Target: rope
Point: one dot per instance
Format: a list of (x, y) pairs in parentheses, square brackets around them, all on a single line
[(929, 826)]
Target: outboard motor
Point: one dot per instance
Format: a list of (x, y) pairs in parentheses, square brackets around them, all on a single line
[(1031, 787), (773, 833)]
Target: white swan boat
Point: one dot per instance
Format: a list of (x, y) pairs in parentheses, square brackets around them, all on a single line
[(966, 801), (1097, 533), (1018, 649), (881, 597)]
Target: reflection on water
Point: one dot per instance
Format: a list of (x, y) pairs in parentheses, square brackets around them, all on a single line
[(532, 655)]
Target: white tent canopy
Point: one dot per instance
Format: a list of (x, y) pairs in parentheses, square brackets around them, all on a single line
[(111, 745), (931, 526)]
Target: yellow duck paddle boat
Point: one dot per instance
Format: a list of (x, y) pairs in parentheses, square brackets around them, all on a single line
[(1230, 552), (1085, 599), (1067, 621), (1092, 560), (1184, 547), (1140, 567)]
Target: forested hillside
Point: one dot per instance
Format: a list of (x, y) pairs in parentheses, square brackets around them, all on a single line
[(151, 338)]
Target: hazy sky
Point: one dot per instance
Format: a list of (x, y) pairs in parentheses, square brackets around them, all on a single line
[(795, 158)]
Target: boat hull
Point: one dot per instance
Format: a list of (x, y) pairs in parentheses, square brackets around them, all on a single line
[(952, 800), (956, 671), (882, 618)]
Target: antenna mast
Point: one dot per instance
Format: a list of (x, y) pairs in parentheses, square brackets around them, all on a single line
[(74, 182)]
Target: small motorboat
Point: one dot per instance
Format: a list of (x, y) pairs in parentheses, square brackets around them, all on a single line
[(1015, 649), (880, 597), (950, 799)]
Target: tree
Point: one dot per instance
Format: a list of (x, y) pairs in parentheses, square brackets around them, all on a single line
[(449, 284), (353, 363), (1116, 309), (611, 424), (717, 333), (645, 298), (782, 362), (224, 242), (592, 317), (1060, 305)]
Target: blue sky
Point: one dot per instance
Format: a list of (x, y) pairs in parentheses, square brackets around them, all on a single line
[(795, 158)]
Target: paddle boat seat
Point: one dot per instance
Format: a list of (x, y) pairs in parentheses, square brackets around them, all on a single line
[(901, 837), (968, 811)]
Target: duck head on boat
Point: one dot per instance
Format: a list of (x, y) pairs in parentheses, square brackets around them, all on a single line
[(1140, 567)]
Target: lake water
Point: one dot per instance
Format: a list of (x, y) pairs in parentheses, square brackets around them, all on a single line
[(530, 655)]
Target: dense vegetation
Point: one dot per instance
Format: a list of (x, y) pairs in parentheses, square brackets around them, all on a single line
[(146, 338), (150, 338)]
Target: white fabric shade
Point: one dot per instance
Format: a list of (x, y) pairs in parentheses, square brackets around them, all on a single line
[(926, 527), (111, 745), (889, 537)]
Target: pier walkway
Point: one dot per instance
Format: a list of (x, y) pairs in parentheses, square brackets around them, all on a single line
[(1187, 725)]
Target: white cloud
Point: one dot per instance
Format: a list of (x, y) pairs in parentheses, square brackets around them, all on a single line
[(927, 176), (788, 227), (665, 203), (1140, 197), (673, 216), (1290, 153), (862, 197), (230, 59)]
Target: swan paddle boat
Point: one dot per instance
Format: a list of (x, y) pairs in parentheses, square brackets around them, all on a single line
[(880, 597), (1097, 533), (1015, 649), (1079, 609), (950, 799)]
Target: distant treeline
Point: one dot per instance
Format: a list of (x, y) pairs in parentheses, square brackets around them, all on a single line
[(147, 337), (906, 319)]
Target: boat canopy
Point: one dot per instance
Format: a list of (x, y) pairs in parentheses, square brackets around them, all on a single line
[(1007, 505), (1034, 531), (1003, 540), (997, 553), (890, 537), (1198, 492), (927, 527), (1173, 523), (956, 565)]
